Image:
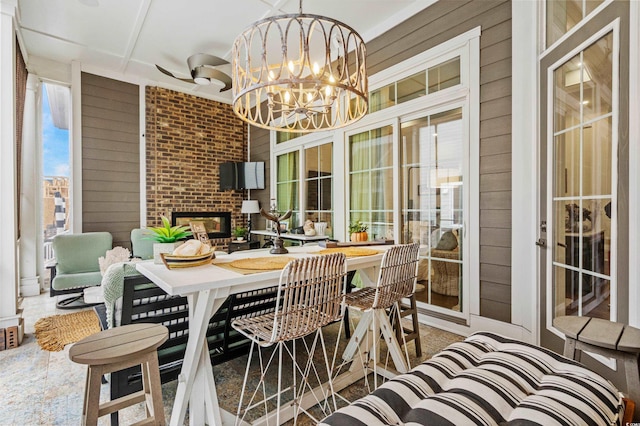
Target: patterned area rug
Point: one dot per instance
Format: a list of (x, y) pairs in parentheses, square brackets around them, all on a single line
[(55, 332)]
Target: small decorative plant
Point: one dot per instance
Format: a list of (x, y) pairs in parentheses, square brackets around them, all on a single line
[(357, 227), (239, 232), (168, 233), (358, 231)]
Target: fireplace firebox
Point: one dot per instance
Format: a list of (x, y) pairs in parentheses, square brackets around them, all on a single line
[(218, 224)]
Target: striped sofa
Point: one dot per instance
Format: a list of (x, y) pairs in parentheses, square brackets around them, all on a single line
[(488, 379)]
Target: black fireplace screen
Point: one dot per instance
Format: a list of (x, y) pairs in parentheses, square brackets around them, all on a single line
[(218, 224)]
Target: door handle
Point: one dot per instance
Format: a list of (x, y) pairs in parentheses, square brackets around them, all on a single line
[(541, 242)]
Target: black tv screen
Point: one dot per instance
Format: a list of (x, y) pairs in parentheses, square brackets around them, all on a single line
[(248, 175)]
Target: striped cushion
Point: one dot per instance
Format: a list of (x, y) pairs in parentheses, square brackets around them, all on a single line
[(490, 380)]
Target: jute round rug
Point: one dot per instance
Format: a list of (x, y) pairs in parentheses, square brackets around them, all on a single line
[(55, 332)]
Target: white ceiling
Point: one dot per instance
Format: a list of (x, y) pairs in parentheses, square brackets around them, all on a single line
[(125, 38)]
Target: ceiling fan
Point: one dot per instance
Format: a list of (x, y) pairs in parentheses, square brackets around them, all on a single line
[(202, 70)]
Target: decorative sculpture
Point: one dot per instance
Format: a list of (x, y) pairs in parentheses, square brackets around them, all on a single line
[(278, 242)]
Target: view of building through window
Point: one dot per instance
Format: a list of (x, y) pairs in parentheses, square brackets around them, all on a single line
[(55, 161)]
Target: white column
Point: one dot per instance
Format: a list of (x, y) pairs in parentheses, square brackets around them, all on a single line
[(29, 211), (8, 212), (524, 289)]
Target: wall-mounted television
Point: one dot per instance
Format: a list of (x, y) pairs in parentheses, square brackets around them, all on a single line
[(247, 175)]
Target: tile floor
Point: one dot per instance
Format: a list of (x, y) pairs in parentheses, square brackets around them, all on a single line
[(45, 388)]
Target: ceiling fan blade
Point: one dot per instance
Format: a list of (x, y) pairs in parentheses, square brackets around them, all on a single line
[(194, 61), (211, 73), (164, 71)]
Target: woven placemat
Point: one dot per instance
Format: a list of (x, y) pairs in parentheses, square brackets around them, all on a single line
[(350, 251), (55, 332), (261, 263)]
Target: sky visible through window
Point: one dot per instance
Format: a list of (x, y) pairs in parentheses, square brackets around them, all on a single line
[(55, 143)]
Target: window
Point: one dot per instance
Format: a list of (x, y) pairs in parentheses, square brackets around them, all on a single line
[(371, 180), (433, 201), (56, 161), (562, 15), (287, 186), (438, 77), (403, 171), (319, 184)]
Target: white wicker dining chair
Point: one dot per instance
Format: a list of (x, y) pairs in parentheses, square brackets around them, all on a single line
[(309, 297), (396, 281)]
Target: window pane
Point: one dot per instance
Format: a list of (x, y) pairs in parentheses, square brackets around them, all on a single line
[(382, 98), (359, 151), (319, 184), (412, 87), (565, 296), (444, 75), (596, 303), (382, 147), (562, 15), (596, 158), (360, 196), (567, 94), (288, 166), (597, 78), (567, 164)]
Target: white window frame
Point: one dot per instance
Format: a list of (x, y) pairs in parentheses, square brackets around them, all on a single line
[(465, 95)]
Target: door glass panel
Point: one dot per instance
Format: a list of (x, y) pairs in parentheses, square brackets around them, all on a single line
[(597, 78), (567, 94), (567, 164), (583, 183), (596, 303), (596, 158), (432, 203)]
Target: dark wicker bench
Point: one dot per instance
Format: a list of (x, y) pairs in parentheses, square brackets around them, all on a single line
[(144, 302)]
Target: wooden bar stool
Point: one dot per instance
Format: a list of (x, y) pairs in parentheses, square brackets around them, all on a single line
[(116, 349)]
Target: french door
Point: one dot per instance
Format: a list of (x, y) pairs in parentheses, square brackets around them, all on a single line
[(582, 213)]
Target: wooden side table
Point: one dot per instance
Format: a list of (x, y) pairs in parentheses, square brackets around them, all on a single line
[(606, 338), (114, 350)]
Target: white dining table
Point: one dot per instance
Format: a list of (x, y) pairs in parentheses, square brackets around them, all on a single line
[(206, 288)]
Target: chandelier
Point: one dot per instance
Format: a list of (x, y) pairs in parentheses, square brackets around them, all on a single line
[(299, 73)]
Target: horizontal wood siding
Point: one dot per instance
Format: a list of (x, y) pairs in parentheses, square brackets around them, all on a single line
[(260, 150), (110, 157), (435, 25)]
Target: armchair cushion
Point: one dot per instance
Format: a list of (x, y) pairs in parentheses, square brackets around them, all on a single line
[(77, 259)]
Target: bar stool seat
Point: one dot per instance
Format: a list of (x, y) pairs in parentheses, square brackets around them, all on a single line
[(116, 349)]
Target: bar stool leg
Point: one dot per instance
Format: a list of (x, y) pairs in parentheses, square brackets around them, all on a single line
[(151, 370), (93, 396)]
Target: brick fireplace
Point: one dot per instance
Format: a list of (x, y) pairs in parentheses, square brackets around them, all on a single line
[(187, 138)]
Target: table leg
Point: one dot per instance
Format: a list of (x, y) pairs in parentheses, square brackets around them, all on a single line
[(392, 343), (358, 336), (196, 371)]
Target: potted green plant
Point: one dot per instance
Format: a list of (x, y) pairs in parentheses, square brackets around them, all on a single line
[(358, 231), (167, 238), (239, 232)]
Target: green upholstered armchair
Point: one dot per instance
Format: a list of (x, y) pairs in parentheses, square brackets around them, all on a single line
[(141, 244), (77, 264)]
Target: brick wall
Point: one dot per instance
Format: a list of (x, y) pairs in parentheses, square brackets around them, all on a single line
[(187, 138)]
